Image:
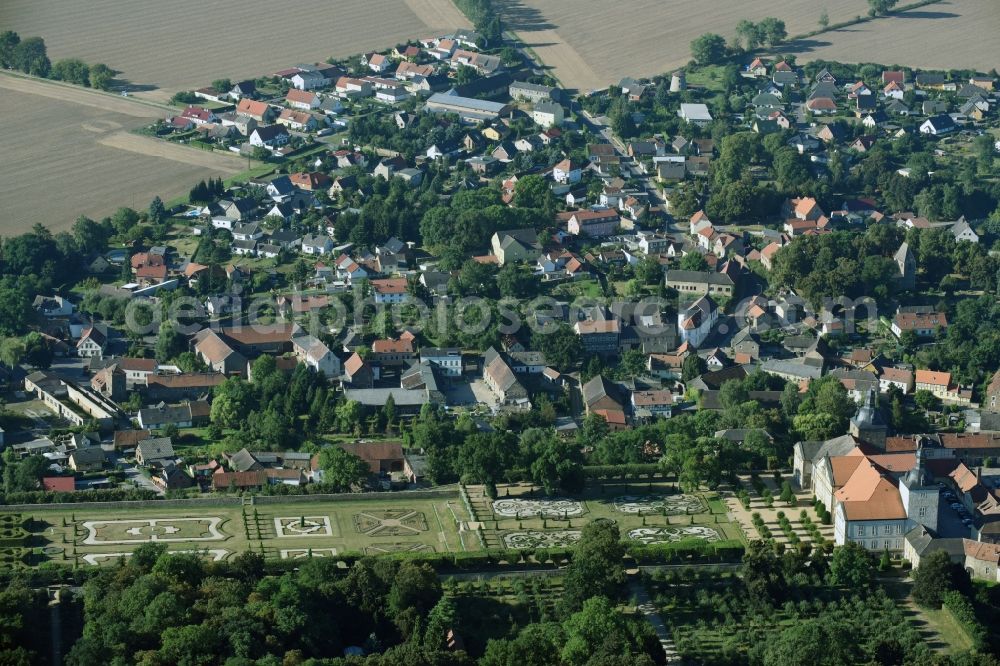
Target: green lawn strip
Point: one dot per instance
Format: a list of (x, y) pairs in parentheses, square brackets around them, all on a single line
[(948, 629)]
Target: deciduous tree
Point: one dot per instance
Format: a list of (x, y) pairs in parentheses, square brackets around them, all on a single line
[(596, 569), (708, 48), (341, 469)]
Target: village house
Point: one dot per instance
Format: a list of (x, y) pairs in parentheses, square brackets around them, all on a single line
[(566, 172), (502, 381), (598, 398), (991, 400), (599, 336), (298, 120), (547, 114), (901, 378), (532, 92), (593, 223), (389, 290), (93, 341), (394, 352), (962, 231), (515, 245), (315, 355), (258, 111), (700, 283), (157, 450), (269, 136), (923, 324), (317, 244), (302, 99), (186, 415), (938, 125), (448, 360), (652, 404), (940, 385), (695, 323)]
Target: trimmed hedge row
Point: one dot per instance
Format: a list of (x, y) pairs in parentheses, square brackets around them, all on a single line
[(964, 613), (686, 551)]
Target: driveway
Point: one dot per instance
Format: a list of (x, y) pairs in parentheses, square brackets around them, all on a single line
[(133, 475)]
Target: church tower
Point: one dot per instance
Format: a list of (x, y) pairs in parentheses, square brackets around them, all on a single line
[(919, 494), (868, 424)]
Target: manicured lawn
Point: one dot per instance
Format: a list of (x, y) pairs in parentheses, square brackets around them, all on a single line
[(579, 288), (649, 512)]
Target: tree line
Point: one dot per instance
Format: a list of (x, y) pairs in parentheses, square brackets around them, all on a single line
[(31, 57)]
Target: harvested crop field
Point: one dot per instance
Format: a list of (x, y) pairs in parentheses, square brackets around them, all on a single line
[(170, 45), (961, 34), (593, 43), (76, 156), (590, 44)]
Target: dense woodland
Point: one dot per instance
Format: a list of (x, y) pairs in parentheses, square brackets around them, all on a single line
[(779, 607)]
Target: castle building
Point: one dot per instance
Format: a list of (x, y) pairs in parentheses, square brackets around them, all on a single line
[(876, 497)]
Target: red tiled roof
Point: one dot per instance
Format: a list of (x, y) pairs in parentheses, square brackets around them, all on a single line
[(935, 378), (401, 346), (597, 326), (300, 96), (138, 364), (978, 550), (907, 321), (152, 272), (390, 286), (251, 107), (964, 440), (612, 416), (353, 364), (225, 480)]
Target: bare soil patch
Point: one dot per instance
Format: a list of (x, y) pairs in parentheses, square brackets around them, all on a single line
[(144, 145)]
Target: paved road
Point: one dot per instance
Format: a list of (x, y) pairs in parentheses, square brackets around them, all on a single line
[(645, 606), (598, 126), (550, 571)]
